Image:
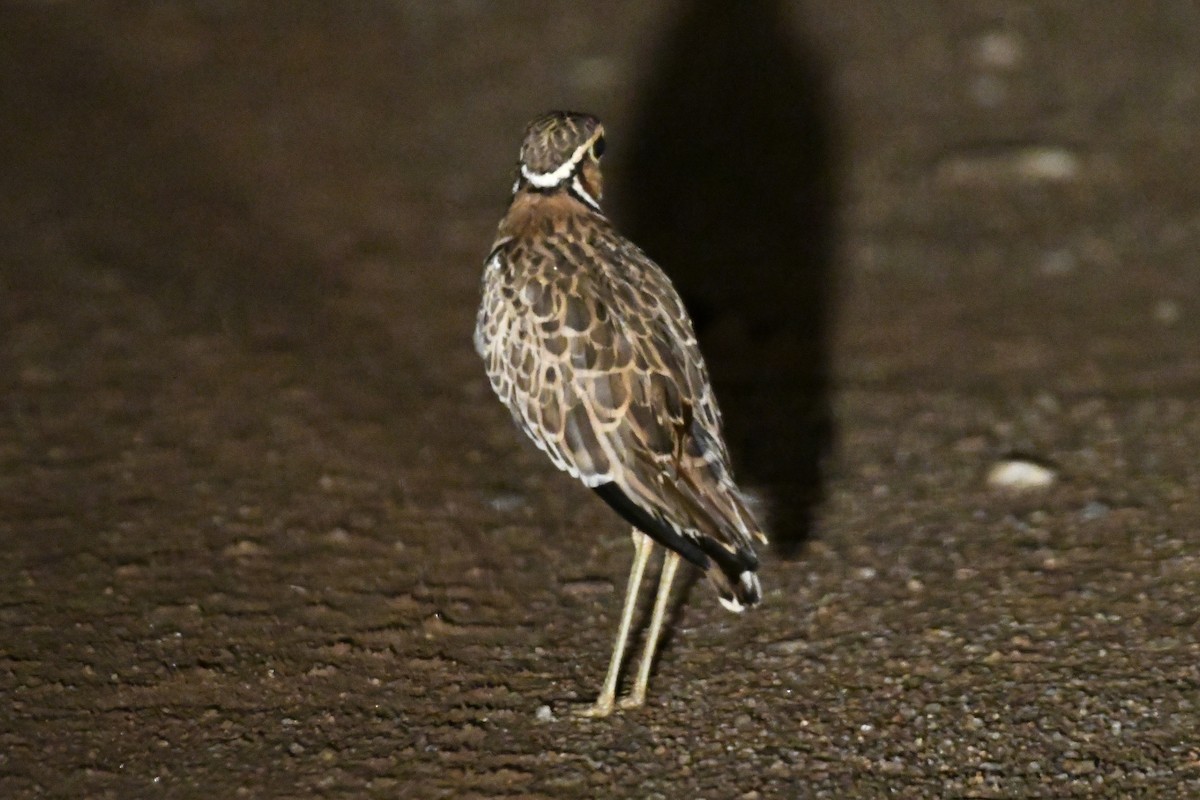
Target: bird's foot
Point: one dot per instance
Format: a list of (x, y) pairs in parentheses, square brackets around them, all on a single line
[(598, 710), (634, 700)]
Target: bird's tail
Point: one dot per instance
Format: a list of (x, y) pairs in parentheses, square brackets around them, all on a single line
[(728, 543), (703, 518), (732, 574)]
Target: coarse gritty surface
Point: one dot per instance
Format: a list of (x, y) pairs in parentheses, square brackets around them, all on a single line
[(266, 533)]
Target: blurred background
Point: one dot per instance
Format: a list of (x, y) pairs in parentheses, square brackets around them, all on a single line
[(251, 472)]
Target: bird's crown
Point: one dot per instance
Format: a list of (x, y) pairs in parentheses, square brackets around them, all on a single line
[(556, 144)]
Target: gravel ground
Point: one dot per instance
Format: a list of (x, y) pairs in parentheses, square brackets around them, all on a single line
[(265, 533)]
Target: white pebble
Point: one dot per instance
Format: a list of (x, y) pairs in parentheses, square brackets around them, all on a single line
[(1167, 312), (1056, 263), (1047, 164), (1020, 474), (999, 50), (544, 714), (1031, 164)]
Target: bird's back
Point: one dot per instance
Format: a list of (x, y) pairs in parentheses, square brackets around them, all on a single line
[(587, 343)]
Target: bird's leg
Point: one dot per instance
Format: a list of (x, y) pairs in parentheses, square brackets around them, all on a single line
[(604, 703), (638, 695)]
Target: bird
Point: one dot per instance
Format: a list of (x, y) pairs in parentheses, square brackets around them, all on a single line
[(587, 343)]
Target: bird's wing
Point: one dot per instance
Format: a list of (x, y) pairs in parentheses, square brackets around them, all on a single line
[(604, 375)]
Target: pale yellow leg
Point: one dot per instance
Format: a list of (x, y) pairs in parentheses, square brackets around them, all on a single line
[(638, 695), (604, 703)]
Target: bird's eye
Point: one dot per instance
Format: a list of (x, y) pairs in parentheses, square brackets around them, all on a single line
[(598, 148)]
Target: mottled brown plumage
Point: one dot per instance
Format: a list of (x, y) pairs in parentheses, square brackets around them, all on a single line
[(589, 346)]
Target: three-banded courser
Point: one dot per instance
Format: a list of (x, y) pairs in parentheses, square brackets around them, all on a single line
[(588, 345)]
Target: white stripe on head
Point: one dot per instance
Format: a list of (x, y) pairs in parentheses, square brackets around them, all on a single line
[(544, 180)]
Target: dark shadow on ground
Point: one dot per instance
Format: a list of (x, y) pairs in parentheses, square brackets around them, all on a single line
[(730, 185)]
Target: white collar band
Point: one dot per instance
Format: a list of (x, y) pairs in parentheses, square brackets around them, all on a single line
[(544, 180)]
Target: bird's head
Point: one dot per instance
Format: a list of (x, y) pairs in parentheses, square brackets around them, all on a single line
[(561, 152)]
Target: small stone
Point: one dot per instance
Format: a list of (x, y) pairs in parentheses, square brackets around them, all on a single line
[(1079, 766), (999, 50), (1166, 312), (1020, 474), (1048, 164), (1058, 262), (506, 502), (543, 714), (1027, 164), (244, 548)]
